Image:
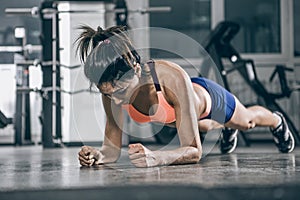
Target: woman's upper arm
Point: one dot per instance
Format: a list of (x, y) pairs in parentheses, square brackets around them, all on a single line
[(182, 96)]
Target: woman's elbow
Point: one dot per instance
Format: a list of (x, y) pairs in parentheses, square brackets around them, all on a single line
[(198, 155), (116, 156), (195, 155), (112, 156), (113, 159)]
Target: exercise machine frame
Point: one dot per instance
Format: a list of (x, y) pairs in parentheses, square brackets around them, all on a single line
[(219, 47)]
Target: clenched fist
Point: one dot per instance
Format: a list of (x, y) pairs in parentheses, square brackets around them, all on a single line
[(140, 156), (89, 156)]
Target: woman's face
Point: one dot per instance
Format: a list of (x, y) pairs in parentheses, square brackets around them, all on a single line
[(121, 91)]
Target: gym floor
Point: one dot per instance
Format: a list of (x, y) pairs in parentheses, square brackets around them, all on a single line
[(256, 172)]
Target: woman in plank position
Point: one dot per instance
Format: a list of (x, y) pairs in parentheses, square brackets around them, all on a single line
[(161, 91)]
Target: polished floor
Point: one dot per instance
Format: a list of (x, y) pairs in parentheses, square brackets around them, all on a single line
[(255, 172)]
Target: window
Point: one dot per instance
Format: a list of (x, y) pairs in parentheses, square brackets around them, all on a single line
[(260, 25), (190, 17)]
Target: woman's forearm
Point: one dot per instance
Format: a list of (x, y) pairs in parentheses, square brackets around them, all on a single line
[(182, 155), (110, 154)]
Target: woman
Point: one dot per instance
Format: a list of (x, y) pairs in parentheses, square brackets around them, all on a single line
[(161, 91)]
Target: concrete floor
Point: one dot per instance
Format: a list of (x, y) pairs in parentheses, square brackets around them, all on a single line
[(249, 173)]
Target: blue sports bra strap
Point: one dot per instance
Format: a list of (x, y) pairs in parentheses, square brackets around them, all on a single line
[(154, 75)]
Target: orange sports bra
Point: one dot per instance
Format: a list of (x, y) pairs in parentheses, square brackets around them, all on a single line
[(165, 113)]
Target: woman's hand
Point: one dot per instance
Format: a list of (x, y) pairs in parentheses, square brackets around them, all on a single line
[(140, 156), (89, 156)]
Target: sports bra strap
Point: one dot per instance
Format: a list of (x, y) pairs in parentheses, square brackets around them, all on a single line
[(154, 75)]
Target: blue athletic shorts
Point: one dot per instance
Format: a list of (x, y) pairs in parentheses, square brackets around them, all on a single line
[(223, 102)]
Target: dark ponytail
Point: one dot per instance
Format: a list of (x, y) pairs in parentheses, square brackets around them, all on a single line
[(102, 49), (88, 36)]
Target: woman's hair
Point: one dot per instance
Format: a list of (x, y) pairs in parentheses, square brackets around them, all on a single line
[(106, 54)]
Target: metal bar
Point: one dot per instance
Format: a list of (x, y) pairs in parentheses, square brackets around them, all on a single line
[(30, 47), (70, 67), (25, 63), (18, 11), (54, 73), (153, 9), (33, 11), (80, 91), (50, 89), (16, 49), (118, 10), (46, 63), (25, 89), (12, 49)]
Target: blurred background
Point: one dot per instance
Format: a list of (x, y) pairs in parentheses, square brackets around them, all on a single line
[(269, 35)]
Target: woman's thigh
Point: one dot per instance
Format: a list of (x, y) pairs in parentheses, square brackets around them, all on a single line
[(242, 118)]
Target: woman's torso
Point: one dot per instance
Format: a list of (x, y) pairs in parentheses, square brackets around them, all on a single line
[(158, 106)]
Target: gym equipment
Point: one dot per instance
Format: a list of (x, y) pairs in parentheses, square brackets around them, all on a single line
[(4, 121), (22, 115), (21, 119), (51, 116), (218, 45), (51, 91), (286, 90), (35, 11)]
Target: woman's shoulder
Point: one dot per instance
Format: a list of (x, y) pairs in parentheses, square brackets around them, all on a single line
[(173, 79), (170, 74), (164, 62), (169, 68)]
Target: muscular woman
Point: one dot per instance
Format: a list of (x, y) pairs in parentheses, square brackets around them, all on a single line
[(161, 91)]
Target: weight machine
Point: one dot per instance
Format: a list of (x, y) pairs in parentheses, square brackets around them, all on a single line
[(219, 46)]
